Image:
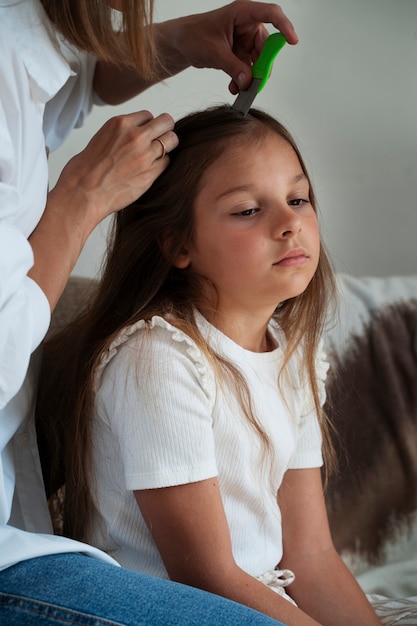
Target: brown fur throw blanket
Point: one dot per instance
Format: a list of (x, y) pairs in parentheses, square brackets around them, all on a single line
[(372, 401)]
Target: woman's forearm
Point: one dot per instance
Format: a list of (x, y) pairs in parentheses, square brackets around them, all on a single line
[(115, 84), (223, 39), (118, 165)]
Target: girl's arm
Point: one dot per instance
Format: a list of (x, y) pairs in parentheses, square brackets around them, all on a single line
[(228, 38), (323, 585), (190, 529)]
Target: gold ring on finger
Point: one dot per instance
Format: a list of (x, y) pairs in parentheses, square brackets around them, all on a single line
[(164, 149)]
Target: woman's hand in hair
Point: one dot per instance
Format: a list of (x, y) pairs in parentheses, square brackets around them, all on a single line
[(230, 38), (118, 165)]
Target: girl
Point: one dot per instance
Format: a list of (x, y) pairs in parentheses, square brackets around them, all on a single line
[(195, 382), (56, 59)]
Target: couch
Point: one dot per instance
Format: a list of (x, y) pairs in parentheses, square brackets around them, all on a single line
[(372, 401)]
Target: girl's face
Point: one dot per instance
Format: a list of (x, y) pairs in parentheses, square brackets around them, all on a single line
[(256, 234)]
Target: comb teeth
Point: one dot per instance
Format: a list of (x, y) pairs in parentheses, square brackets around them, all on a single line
[(246, 97)]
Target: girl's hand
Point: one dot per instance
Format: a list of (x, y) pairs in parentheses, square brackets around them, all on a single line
[(230, 38), (118, 165)]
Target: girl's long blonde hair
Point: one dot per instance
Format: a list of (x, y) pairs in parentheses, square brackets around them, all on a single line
[(140, 281)]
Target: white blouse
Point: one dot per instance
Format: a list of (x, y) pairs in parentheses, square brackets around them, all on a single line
[(45, 91)]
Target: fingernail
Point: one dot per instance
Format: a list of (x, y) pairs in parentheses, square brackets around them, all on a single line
[(241, 79)]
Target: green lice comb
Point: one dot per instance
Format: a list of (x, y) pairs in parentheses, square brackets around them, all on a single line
[(261, 72)]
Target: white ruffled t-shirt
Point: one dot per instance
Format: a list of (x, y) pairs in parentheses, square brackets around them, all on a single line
[(162, 419)]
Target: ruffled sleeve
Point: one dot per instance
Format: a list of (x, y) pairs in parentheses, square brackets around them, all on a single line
[(156, 393)]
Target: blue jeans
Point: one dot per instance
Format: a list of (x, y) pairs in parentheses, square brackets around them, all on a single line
[(74, 589)]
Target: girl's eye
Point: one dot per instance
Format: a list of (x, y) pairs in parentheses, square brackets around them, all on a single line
[(298, 202), (246, 212)]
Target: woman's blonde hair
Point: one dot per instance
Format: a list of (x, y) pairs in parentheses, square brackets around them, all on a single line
[(89, 25), (140, 281)]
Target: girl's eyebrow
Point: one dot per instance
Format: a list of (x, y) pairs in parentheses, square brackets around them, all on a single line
[(299, 177), (240, 188), (236, 189)]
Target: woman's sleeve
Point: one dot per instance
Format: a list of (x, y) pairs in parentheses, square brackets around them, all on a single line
[(157, 396), (24, 310), (70, 107)]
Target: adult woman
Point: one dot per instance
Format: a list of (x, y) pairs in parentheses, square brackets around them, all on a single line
[(47, 87)]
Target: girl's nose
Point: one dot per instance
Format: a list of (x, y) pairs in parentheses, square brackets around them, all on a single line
[(286, 223)]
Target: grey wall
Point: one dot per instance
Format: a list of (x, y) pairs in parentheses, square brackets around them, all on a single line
[(348, 93)]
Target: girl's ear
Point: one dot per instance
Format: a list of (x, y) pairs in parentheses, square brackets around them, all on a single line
[(181, 259)]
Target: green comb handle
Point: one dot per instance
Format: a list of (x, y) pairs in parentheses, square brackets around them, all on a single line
[(263, 66)]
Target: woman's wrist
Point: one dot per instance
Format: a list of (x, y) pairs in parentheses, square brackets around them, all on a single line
[(57, 242)]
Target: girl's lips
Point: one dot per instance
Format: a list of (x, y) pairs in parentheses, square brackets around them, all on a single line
[(295, 257)]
